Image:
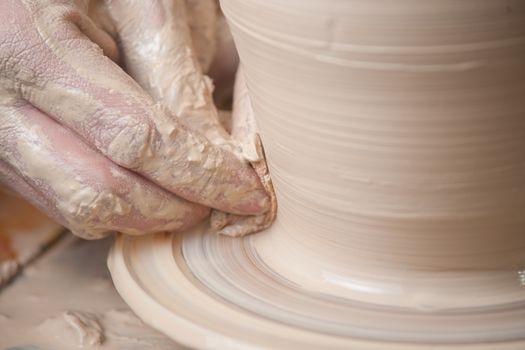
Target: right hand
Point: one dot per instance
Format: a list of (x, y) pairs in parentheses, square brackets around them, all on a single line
[(83, 141)]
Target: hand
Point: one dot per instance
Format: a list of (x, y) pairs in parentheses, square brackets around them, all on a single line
[(101, 150)]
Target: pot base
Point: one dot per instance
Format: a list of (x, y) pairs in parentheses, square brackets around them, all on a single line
[(210, 291)]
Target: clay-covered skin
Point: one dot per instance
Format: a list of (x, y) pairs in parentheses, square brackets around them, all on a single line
[(101, 149), (244, 130)]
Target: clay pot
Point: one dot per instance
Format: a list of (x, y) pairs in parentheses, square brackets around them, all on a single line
[(395, 136)]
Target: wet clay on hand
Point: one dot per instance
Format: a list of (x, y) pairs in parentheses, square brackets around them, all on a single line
[(93, 146)]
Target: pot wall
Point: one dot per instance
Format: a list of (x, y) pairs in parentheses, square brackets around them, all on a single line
[(394, 130)]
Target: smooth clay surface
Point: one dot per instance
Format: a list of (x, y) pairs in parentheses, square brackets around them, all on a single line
[(395, 137)]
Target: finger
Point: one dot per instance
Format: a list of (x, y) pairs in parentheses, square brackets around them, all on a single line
[(244, 129), (158, 52), (98, 13), (66, 76), (80, 187), (203, 16), (244, 126), (96, 26)]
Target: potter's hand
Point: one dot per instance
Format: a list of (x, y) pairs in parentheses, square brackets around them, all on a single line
[(84, 142)]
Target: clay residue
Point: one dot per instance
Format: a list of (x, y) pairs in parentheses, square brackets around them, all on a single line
[(73, 328), (244, 131), (66, 300), (241, 225)]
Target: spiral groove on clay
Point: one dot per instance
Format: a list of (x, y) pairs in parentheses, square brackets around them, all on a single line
[(395, 136)]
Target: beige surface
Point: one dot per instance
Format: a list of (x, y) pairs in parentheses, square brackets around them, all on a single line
[(66, 300)]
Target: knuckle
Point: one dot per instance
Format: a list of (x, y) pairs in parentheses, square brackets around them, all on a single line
[(92, 213), (132, 143)]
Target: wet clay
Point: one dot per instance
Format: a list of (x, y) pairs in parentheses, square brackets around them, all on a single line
[(74, 106), (404, 158), (395, 140), (244, 131)]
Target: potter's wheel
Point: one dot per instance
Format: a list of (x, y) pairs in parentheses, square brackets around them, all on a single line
[(211, 291), (394, 135)]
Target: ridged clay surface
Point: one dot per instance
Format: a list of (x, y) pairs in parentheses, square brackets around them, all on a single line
[(395, 137)]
